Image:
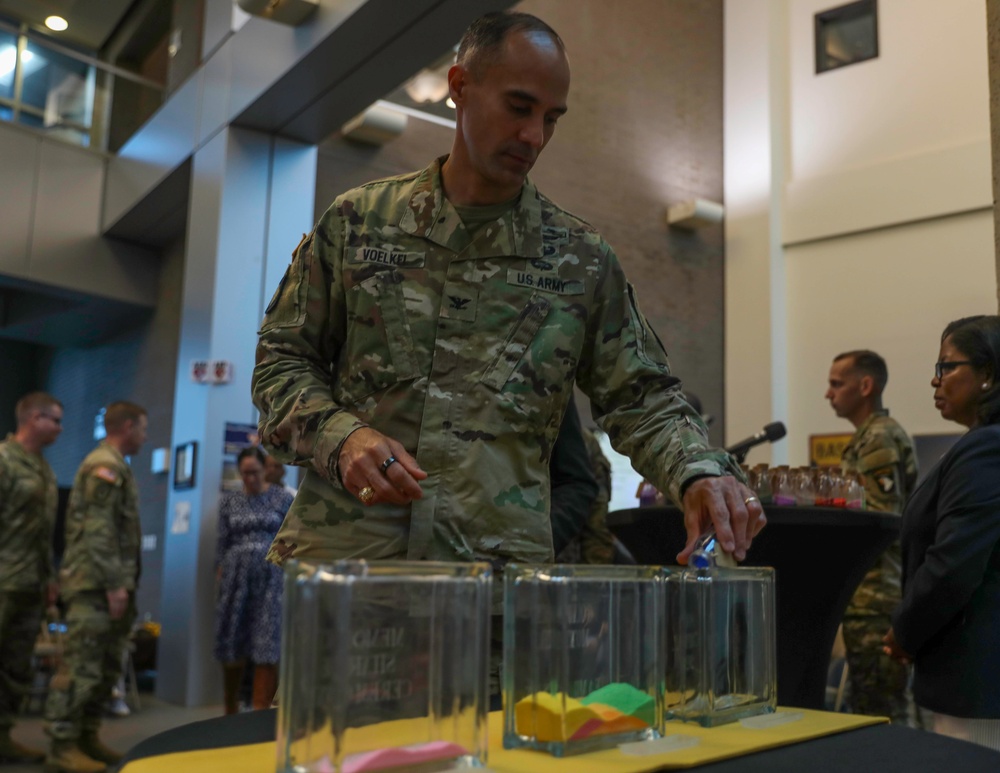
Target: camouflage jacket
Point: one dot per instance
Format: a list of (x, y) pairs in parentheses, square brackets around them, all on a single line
[(465, 350), (882, 453), (598, 544), (28, 500), (103, 533)]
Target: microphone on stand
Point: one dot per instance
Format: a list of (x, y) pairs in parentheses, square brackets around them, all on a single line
[(772, 432)]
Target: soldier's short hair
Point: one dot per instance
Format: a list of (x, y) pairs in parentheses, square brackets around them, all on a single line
[(119, 412), (31, 402), (978, 339), (481, 42), (868, 363)]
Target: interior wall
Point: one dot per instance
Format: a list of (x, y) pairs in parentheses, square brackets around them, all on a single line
[(882, 197), (50, 210), (924, 91), (920, 104), (892, 291), (21, 374), (644, 130), (137, 365)]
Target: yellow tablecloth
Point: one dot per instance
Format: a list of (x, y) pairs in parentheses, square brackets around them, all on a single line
[(716, 744)]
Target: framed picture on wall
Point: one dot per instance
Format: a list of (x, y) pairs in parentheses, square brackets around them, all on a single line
[(185, 457)]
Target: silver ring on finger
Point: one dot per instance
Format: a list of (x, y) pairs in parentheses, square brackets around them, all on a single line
[(388, 463)]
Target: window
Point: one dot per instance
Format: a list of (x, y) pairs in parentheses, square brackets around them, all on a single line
[(59, 90), (846, 35), (8, 63)]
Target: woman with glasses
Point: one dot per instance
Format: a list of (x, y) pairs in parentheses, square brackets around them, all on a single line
[(948, 623), (248, 609)]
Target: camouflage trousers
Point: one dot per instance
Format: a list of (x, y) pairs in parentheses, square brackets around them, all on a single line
[(878, 683), (91, 665), (20, 618)]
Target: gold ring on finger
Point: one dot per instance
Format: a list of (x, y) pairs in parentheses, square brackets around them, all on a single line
[(366, 495)]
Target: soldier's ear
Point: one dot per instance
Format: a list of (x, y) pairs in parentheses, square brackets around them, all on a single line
[(457, 78), (867, 386)]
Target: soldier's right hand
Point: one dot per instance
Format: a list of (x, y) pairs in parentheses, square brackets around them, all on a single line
[(117, 601), (376, 468)]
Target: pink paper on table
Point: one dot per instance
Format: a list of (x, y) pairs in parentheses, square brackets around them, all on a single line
[(396, 756)]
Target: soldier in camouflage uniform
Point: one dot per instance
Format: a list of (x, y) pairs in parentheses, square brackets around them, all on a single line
[(28, 500), (98, 578), (581, 504), (882, 454), (420, 351)]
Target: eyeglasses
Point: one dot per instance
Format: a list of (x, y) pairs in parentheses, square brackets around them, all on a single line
[(941, 368), (50, 417)]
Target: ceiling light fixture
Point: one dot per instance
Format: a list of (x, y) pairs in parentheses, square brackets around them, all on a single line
[(56, 23)]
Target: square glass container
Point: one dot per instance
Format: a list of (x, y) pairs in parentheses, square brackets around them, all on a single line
[(721, 654), (383, 666), (582, 656)]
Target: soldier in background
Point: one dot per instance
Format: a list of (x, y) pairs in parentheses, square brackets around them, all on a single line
[(28, 499), (581, 491), (420, 351), (98, 578), (882, 454)]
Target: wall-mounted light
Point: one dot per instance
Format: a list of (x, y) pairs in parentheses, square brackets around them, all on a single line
[(290, 12), (375, 126), (694, 213), (427, 86), (56, 23)]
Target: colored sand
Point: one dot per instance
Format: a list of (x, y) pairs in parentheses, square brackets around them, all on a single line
[(615, 708), (627, 699)]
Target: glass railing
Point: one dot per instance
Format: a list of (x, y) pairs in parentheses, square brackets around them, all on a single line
[(68, 94)]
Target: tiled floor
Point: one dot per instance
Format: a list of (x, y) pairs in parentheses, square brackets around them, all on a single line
[(119, 733)]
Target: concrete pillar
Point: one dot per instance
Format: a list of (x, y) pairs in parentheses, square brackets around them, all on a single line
[(251, 200)]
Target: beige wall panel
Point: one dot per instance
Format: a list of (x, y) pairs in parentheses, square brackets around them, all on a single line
[(18, 160), (66, 250)]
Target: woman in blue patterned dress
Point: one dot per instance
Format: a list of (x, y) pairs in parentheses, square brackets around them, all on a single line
[(248, 610)]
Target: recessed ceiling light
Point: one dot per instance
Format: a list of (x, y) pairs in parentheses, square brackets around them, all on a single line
[(57, 23)]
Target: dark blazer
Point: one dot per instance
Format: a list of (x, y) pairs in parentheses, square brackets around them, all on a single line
[(949, 618)]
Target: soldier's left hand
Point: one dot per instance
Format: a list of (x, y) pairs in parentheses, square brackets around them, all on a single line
[(117, 602), (376, 468), (893, 649), (727, 505)]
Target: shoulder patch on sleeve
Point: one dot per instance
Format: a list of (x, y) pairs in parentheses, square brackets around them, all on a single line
[(106, 473), (885, 480)]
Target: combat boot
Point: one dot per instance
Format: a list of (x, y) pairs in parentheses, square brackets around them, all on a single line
[(11, 751), (66, 757), (92, 746)]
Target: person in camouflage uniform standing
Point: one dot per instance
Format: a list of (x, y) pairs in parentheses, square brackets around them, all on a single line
[(28, 500), (420, 351), (98, 578), (581, 491), (882, 454)]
